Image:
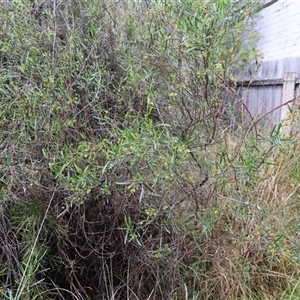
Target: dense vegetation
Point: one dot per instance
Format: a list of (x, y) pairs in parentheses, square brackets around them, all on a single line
[(126, 170)]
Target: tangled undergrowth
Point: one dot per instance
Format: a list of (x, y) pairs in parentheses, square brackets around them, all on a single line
[(125, 171)]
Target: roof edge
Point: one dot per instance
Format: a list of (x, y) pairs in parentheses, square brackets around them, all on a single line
[(267, 3)]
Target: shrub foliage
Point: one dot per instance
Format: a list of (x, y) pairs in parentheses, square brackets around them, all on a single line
[(117, 171)]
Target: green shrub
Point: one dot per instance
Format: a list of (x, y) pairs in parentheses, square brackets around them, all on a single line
[(115, 183)]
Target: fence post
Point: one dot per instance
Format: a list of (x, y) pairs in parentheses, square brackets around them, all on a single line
[(288, 93)]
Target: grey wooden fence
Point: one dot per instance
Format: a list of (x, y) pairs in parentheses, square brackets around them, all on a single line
[(266, 90)]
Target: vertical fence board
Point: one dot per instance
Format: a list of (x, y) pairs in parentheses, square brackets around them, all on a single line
[(266, 89), (288, 92)]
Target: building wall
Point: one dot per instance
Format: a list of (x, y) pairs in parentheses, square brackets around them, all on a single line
[(279, 27)]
